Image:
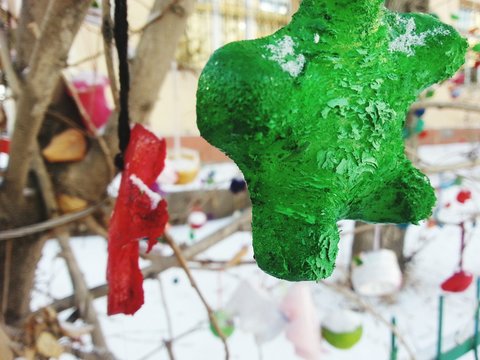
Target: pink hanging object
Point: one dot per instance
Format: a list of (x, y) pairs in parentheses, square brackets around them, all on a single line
[(303, 323), (458, 282), (90, 90)]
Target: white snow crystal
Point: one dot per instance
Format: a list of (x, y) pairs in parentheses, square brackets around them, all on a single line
[(282, 51), (405, 42), (316, 38), (155, 198)]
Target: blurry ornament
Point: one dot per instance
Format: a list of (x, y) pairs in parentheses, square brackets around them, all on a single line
[(69, 145), (4, 151), (423, 134), (463, 196), (420, 112), (238, 185), (186, 163), (342, 329), (225, 323), (47, 345), (461, 279), (256, 313), (210, 178), (139, 213), (378, 275), (454, 17), (197, 219), (69, 203), (430, 93), (419, 126), (476, 47), (90, 90), (303, 322), (455, 92)]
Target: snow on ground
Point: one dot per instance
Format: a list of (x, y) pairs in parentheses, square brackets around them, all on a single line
[(140, 337)]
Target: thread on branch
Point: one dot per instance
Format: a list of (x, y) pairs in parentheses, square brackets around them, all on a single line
[(121, 41)]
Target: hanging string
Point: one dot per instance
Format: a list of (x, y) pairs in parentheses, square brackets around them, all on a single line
[(462, 244), (121, 41)]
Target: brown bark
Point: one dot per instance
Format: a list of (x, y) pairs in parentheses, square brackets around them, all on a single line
[(61, 22), (31, 16), (159, 40)]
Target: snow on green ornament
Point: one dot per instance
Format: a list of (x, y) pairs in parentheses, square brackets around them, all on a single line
[(313, 116), (342, 329), (225, 322)]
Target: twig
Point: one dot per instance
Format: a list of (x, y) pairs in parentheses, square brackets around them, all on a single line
[(211, 316), (347, 292), (95, 227), (83, 298), (86, 59), (168, 343), (160, 264), (7, 66), (49, 224), (107, 34)]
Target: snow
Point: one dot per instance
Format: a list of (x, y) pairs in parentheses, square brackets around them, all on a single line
[(405, 42), (140, 337), (344, 321), (154, 197), (282, 53)]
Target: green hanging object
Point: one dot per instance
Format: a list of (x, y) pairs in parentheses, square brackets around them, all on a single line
[(429, 93), (313, 116), (419, 126), (476, 48), (454, 17), (225, 322)]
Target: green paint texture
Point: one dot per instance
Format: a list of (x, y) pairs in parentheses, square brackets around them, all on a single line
[(313, 116)]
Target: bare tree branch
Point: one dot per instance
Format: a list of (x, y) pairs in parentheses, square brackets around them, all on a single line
[(445, 105), (46, 62), (107, 32), (7, 66), (184, 265), (154, 55)]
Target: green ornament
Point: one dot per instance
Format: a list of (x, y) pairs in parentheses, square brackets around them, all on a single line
[(419, 126), (342, 340), (225, 322), (476, 48), (313, 116)]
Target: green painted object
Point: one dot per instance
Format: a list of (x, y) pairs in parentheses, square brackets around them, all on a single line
[(342, 340), (225, 322), (313, 116)]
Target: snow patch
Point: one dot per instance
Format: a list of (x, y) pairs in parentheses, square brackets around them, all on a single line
[(284, 54), (155, 198), (316, 38), (405, 42), (342, 321)]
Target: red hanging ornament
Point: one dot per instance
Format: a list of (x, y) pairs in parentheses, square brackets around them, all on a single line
[(139, 213), (463, 196), (461, 279), (458, 282)]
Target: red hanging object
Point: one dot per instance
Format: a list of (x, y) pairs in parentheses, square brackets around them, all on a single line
[(458, 282), (139, 213), (461, 279), (463, 196)]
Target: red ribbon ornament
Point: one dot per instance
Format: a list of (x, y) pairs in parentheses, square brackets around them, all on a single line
[(139, 213)]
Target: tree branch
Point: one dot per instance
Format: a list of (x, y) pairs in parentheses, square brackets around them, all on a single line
[(61, 23), (155, 53), (183, 263), (445, 105), (12, 79), (107, 33), (160, 264)]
